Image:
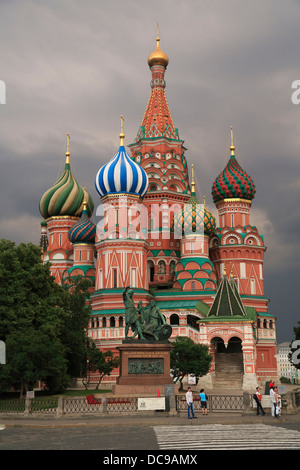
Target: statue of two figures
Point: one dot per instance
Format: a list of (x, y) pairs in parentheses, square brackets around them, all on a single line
[(147, 323)]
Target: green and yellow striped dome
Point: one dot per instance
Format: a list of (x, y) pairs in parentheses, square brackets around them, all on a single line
[(194, 218), (66, 196)]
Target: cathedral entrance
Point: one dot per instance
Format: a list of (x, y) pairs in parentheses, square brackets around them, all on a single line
[(229, 368)]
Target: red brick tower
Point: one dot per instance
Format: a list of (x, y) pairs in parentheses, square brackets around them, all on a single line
[(159, 150), (237, 245)]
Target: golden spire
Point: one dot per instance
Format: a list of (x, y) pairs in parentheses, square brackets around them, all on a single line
[(68, 148), (122, 135), (204, 200), (84, 199), (158, 57), (193, 179), (232, 147)]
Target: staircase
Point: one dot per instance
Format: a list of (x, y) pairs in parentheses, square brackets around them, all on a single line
[(229, 373)]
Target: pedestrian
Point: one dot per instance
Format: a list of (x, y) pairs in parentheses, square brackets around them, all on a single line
[(271, 384), (278, 403), (258, 401), (189, 400), (203, 400), (274, 400)]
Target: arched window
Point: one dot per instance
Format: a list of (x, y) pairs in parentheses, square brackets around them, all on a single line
[(172, 267), (161, 267), (174, 319), (151, 270)]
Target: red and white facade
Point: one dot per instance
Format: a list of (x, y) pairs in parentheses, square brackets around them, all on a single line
[(181, 274)]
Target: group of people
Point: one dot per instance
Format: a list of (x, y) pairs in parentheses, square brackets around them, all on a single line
[(274, 398), (190, 405)]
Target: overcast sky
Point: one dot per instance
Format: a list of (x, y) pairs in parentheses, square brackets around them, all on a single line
[(75, 66)]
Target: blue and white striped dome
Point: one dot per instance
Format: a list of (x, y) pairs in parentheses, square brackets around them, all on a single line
[(121, 175)]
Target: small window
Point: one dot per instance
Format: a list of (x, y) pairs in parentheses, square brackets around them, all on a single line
[(114, 278)]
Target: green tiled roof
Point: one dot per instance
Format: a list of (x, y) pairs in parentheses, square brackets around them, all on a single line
[(227, 302), (176, 304)]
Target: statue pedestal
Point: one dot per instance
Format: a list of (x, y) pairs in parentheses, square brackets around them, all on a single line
[(144, 368)]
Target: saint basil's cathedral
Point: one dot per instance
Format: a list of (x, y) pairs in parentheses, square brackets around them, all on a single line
[(204, 273)]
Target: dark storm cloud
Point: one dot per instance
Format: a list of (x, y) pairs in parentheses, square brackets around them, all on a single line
[(73, 66)]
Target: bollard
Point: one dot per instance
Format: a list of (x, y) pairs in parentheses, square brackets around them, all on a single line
[(290, 403), (172, 405), (27, 406), (246, 403), (104, 404), (60, 407)]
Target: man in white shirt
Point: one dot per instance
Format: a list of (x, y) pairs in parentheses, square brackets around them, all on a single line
[(189, 400), (273, 398)]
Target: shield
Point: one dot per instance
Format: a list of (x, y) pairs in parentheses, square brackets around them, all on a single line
[(165, 332)]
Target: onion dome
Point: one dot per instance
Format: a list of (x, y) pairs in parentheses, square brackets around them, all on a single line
[(84, 231), (233, 181), (193, 216), (121, 174), (158, 57), (66, 196)]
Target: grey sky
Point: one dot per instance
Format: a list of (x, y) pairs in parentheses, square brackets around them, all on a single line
[(75, 66)]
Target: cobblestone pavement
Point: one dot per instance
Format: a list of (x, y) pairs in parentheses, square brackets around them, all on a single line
[(136, 432)]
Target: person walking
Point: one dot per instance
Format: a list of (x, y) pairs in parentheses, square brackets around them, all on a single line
[(203, 400), (258, 402), (189, 400), (274, 401)]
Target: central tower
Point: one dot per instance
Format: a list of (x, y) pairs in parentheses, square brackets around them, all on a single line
[(160, 152)]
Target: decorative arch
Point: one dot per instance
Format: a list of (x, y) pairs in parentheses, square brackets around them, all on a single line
[(174, 319)]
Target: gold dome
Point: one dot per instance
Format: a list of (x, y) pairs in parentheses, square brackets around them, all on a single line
[(158, 57)]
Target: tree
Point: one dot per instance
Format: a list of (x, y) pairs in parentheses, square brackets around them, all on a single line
[(294, 355), (74, 335), (43, 324), (188, 357), (100, 362), (34, 356), (33, 313)]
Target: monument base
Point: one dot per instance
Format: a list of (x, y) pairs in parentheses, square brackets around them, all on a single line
[(144, 368)]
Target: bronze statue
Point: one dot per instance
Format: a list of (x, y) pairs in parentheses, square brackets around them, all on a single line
[(131, 317), (146, 322)]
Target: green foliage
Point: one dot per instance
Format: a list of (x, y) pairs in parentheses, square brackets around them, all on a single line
[(101, 362), (33, 312), (43, 325), (74, 335), (188, 357)]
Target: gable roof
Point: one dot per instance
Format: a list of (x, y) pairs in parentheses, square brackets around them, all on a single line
[(227, 301)]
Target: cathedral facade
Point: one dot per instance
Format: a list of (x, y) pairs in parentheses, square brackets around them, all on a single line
[(204, 272)]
